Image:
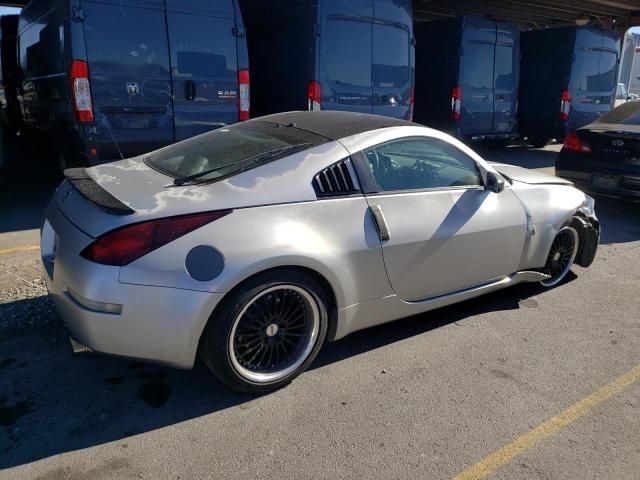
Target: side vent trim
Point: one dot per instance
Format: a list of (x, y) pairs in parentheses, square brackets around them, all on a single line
[(336, 180)]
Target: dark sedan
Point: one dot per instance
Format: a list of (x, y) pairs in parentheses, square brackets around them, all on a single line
[(604, 156)]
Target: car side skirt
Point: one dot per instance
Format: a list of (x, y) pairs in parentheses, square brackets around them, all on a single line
[(390, 308)]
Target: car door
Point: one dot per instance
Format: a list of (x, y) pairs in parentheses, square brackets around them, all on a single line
[(441, 230), (204, 65)]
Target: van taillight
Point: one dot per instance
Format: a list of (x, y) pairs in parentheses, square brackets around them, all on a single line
[(81, 91), (565, 104), (314, 95), (124, 245), (244, 103), (456, 102)]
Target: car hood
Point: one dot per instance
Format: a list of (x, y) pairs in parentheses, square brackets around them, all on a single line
[(525, 175)]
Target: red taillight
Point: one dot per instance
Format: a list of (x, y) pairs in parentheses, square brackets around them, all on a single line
[(124, 245), (456, 103), (314, 95), (572, 142), (244, 102), (81, 91), (565, 104)]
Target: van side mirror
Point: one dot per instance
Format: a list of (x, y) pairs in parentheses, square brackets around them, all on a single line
[(495, 183)]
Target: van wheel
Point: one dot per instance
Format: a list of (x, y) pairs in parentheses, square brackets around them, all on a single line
[(267, 333), (539, 142)]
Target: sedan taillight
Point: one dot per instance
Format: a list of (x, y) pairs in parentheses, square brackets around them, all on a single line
[(124, 245), (572, 142)]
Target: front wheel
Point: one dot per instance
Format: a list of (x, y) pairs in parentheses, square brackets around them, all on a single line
[(267, 333), (561, 256)]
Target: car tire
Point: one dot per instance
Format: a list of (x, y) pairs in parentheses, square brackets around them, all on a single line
[(561, 256), (283, 314)]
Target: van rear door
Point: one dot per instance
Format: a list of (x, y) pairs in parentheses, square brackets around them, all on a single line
[(506, 72), (345, 55), (593, 76), (204, 65), (127, 52), (393, 58), (476, 76)]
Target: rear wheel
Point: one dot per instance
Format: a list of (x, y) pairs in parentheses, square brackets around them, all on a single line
[(539, 142), (561, 256), (267, 333)]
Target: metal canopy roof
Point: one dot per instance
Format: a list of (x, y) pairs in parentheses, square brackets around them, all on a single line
[(537, 14), (529, 14)]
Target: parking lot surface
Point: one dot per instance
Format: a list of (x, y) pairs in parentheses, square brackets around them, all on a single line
[(523, 383)]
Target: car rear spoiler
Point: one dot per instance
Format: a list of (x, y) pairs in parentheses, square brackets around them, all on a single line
[(87, 186)]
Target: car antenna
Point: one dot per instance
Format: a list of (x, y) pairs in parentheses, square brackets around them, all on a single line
[(113, 138)]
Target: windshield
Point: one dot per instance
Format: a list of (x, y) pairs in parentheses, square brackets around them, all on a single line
[(626, 114), (230, 150)]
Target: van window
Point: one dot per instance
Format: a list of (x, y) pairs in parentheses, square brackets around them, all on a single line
[(391, 56), (504, 67), (478, 59), (40, 48), (348, 52), (195, 52), (596, 69), (125, 40), (229, 150)]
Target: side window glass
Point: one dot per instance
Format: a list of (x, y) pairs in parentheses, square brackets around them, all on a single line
[(419, 163)]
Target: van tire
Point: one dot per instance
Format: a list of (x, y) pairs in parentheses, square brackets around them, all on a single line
[(539, 142)]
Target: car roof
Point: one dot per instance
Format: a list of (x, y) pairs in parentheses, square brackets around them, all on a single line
[(335, 125)]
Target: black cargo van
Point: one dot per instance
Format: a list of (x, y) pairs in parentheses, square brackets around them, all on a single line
[(110, 78), (568, 79), (467, 77), (9, 74), (354, 55)]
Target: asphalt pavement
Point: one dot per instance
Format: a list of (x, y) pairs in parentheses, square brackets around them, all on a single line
[(523, 383)]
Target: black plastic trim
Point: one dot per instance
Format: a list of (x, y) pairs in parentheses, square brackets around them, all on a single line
[(88, 187)]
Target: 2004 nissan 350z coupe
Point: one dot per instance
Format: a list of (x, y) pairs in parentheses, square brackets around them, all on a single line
[(253, 244)]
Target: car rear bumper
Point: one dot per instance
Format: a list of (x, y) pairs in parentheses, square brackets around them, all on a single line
[(156, 324), (593, 175)]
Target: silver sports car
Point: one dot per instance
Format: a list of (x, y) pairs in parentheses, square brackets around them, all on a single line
[(253, 244)]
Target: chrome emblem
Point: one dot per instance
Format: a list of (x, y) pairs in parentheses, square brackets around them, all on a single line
[(617, 143), (133, 88)]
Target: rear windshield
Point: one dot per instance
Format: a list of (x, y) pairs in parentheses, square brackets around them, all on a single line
[(231, 150), (626, 114)]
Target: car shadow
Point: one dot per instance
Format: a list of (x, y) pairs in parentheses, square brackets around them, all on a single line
[(52, 402)]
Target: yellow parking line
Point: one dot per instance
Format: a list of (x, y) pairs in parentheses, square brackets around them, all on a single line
[(26, 248), (505, 454)]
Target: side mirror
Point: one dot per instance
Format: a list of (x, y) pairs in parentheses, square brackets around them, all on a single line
[(495, 183)]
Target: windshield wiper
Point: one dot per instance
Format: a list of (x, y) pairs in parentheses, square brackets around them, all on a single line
[(244, 164)]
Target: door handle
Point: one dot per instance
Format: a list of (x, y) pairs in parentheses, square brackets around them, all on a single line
[(383, 98), (381, 223), (189, 89)]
